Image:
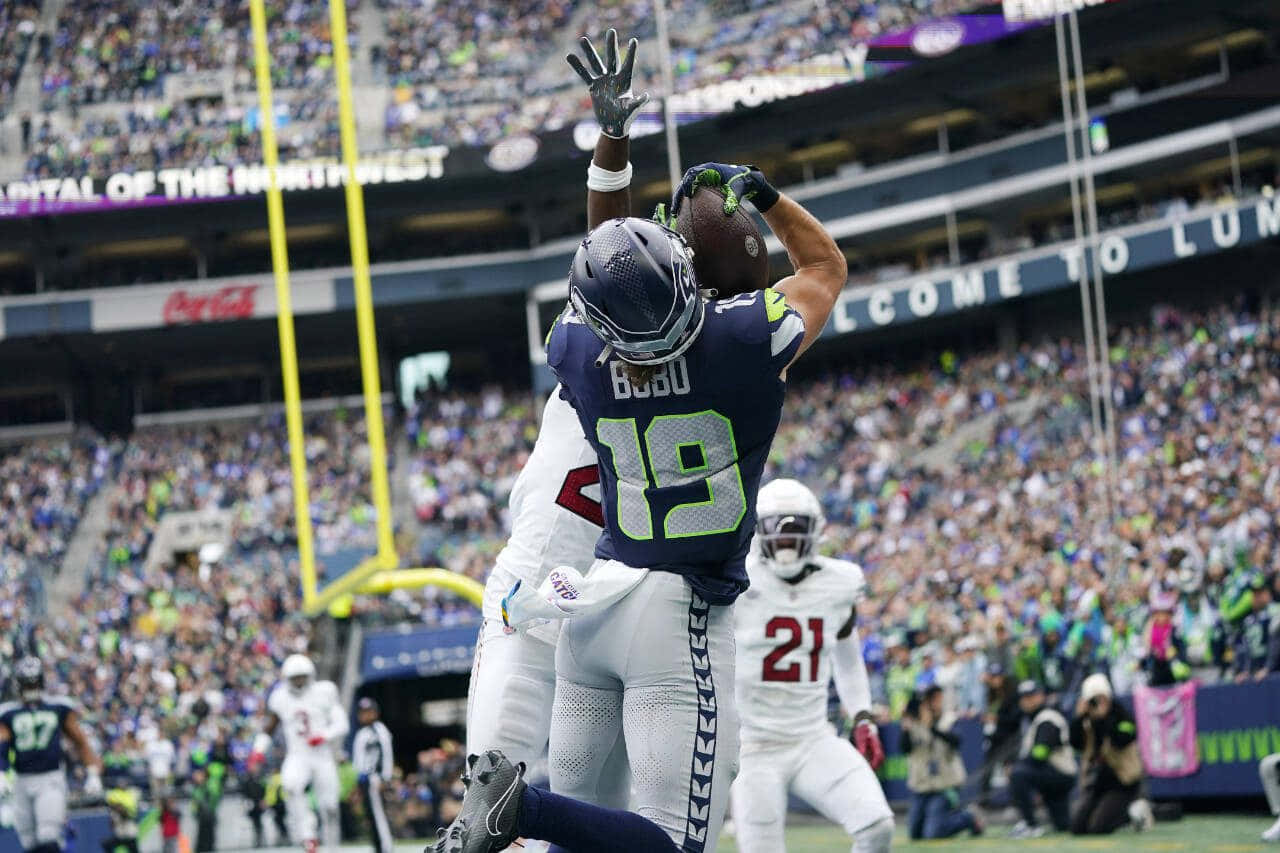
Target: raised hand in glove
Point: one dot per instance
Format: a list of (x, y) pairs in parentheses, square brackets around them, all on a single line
[(866, 739), (739, 183), (610, 84), (92, 784)]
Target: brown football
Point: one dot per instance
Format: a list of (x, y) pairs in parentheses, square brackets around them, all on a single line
[(728, 250)]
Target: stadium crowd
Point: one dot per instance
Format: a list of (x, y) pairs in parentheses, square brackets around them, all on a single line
[(121, 50), (992, 557), (457, 73), (17, 30)]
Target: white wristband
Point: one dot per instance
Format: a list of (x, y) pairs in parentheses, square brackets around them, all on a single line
[(603, 181)]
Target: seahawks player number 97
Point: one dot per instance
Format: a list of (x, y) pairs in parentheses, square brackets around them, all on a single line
[(32, 730)]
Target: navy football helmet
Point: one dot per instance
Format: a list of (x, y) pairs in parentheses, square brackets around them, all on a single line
[(29, 674), (632, 283)]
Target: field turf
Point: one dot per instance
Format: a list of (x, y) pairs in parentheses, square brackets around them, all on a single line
[(1193, 834)]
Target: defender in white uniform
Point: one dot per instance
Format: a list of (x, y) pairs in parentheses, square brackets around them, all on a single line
[(795, 633), (312, 717), (555, 521)]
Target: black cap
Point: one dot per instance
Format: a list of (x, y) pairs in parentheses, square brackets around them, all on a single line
[(995, 669), (1029, 688), (367, 703)]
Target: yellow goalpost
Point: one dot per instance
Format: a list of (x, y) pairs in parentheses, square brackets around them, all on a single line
[(379, 573)]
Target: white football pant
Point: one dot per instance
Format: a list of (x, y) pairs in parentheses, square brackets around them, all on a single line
[(318, 769), (655, 671), (827, 773), (40, 808)]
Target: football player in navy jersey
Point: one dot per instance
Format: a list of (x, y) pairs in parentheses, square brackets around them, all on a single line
[(32, 730), (681, 398)]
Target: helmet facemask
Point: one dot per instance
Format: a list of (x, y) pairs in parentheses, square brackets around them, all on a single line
[(786, 541)]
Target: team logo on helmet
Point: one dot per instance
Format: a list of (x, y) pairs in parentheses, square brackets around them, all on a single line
[(632, 284)]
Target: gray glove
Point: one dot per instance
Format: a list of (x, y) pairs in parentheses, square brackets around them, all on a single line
[(610, 84)]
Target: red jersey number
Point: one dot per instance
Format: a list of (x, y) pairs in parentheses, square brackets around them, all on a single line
[(572, 498), (787, 625)]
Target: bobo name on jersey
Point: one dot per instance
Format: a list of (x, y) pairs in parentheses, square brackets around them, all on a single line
[(670, 378)]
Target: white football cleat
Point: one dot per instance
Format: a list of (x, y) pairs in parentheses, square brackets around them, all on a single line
[(1140, 815)]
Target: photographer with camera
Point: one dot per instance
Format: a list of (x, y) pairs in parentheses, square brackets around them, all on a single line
[(1111, 774), (1045, 764), (935, 770)]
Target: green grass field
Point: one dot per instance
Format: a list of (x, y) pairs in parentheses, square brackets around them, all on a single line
[(1194, 834), (1198, 833)]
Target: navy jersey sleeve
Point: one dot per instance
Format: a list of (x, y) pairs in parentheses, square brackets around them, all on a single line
[(765, 323), (571, 350)]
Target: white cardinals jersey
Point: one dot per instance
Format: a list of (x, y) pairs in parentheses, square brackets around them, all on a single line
[(316, 711), (785, 634), (555, 507)]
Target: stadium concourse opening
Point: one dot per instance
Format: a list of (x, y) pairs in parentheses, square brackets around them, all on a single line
[(149, 554)]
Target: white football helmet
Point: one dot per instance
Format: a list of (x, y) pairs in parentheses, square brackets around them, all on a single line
[(789, 521), (298, 672)]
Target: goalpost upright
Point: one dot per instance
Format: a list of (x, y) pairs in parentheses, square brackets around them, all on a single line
[(378, 573)]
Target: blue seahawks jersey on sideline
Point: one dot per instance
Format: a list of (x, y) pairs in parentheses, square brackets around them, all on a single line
[(35, 733), (681, 456)]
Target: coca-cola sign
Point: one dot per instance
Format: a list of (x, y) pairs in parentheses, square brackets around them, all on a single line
[(233, 302)]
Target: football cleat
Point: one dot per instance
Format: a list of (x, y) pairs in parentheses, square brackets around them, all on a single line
[(1140, 815), (490, 809)]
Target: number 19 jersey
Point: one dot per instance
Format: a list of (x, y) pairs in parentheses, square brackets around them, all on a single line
[(785, 635), (681, 455)]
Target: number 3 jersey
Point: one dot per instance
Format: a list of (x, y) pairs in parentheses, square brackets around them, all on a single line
[(36, 733), (785, 634), (307, 714), (681, 455)]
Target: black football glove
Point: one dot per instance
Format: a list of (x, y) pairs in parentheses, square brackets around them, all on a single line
[(610, 84), (739, 183)]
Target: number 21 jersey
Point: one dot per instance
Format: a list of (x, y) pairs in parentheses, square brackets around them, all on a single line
[(785, 636), (681, 456)]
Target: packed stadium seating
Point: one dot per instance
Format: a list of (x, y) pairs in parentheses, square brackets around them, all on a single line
[(17, 29), (114, 50), (456, 75)]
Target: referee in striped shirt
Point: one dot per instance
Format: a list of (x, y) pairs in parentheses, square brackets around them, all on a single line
[(371, 754)]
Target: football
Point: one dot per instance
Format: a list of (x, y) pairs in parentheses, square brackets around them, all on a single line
[(728, 250)]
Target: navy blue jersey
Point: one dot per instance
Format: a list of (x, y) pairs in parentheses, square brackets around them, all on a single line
[(681, 456), (35, 733)]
